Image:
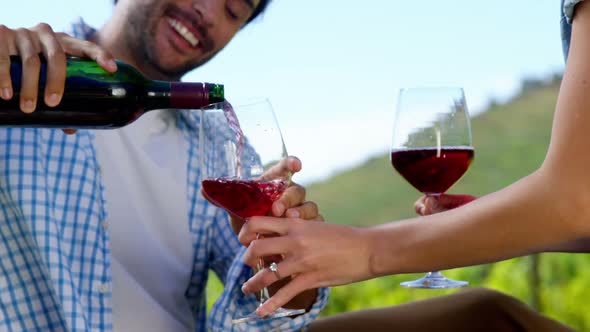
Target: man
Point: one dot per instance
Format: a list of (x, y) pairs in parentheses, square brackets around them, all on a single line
[(107, 230)]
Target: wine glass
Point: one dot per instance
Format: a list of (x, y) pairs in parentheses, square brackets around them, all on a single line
[(243, 168), (432, 149)]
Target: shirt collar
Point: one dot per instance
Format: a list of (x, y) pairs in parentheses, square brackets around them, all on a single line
[(80, 29)]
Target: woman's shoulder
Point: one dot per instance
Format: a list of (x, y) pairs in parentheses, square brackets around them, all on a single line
[(568, 9)]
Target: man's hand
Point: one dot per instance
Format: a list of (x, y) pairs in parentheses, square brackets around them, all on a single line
[(30, 44), (292, 203)]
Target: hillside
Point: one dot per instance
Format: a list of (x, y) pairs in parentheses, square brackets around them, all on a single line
[(510, 141)]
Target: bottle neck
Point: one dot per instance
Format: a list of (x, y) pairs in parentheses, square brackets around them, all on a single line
[(181, 95)]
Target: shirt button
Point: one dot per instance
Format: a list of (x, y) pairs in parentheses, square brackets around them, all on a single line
[(105, 225), (102, 288)]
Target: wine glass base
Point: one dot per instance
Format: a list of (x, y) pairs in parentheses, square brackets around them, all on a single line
[(279, 313), (434, 280)]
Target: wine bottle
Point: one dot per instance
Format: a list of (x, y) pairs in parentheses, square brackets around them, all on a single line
[(94, 98)]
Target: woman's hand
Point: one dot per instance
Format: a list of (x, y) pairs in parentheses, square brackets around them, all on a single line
[(315, 254), (427, 205)]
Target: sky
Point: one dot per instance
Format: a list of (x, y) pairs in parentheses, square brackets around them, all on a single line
[(332, 68)]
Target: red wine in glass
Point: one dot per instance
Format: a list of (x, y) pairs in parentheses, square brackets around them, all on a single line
[(244, 198), (432, 170), (241, 158), (432, 149)]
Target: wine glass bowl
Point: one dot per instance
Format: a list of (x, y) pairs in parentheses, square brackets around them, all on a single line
[(243, 166), (432, 149), (243, 198), (238, 150)]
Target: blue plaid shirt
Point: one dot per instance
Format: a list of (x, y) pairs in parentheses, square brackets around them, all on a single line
[(54, 248)]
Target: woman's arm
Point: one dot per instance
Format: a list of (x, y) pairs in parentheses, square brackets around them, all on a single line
[(576, 246), (428, 205), (549, 207), (543, 210)]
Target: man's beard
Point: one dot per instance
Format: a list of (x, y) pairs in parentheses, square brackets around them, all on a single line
[(141, 35)]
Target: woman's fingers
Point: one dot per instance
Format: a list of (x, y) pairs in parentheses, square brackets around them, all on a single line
[(315, 254), (265, 247), (263, 225), (427, 205), (266, 276), (419, 205), (448, 202), (286, 293)]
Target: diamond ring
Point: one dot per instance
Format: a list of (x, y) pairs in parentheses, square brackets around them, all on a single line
[(274, 267)]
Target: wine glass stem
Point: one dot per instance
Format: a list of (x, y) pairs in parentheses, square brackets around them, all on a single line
[(263, 295), (434, 274)]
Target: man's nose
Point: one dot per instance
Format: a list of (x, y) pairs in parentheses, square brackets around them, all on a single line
[(209, 10)]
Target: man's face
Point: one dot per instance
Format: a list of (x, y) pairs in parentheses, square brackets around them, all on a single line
[(175, 36)]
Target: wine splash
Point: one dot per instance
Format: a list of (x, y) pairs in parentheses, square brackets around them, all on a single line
[(234, 125), (242, 196), (245, 198)]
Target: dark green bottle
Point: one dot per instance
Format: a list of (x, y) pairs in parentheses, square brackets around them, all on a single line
[(94, 98)]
